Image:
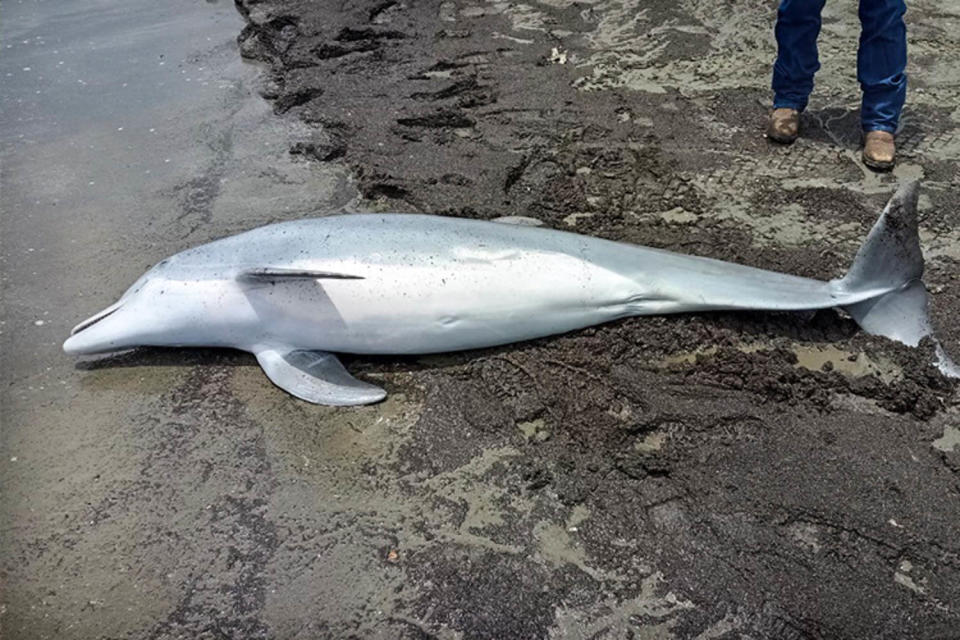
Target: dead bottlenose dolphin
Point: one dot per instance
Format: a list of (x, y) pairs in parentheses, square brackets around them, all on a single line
[(294, 292)]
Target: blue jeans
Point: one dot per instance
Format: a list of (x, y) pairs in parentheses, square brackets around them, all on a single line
[(881, 58)]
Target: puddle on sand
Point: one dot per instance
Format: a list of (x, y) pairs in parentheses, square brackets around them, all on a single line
[(651, 442), (557, 548), (650, 614), (810, 357), (534, 430), (687, 357), (855, 365), (949, 441)]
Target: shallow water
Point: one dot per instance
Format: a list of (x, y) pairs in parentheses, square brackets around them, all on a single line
[(128, 132)]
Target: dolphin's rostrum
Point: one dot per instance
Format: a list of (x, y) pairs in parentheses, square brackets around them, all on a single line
[(294, 293)]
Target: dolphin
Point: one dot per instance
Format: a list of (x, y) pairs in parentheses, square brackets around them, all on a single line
[(294, 293)]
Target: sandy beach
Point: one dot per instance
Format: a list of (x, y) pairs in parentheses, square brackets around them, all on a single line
[(710, 476)]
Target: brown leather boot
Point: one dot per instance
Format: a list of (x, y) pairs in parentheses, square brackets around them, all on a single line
[(879, 150), (784, 125)]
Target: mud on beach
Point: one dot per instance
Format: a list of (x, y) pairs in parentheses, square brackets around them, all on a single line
[(765, 476), (711, 476)]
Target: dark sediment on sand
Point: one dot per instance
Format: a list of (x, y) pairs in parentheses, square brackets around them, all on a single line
[(730, 475)]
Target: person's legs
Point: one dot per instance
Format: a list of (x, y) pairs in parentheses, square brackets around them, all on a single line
[(881, 61), (798, 25)]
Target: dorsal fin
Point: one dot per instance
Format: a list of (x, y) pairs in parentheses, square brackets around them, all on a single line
[(275, 273)]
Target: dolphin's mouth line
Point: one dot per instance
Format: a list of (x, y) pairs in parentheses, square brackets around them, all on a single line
[(94, 319)]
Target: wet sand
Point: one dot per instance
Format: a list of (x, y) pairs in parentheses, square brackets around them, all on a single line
[(709, 476)]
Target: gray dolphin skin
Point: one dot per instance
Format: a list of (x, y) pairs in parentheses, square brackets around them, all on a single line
[(294, 293)]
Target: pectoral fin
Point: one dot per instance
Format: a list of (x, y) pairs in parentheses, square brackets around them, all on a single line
[(317, 377)]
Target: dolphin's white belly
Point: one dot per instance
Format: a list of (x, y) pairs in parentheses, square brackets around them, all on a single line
[(482, 298)]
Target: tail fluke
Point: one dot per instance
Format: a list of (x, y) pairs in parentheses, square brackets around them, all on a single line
[(890, 257), (899, 315), (890, 263)]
